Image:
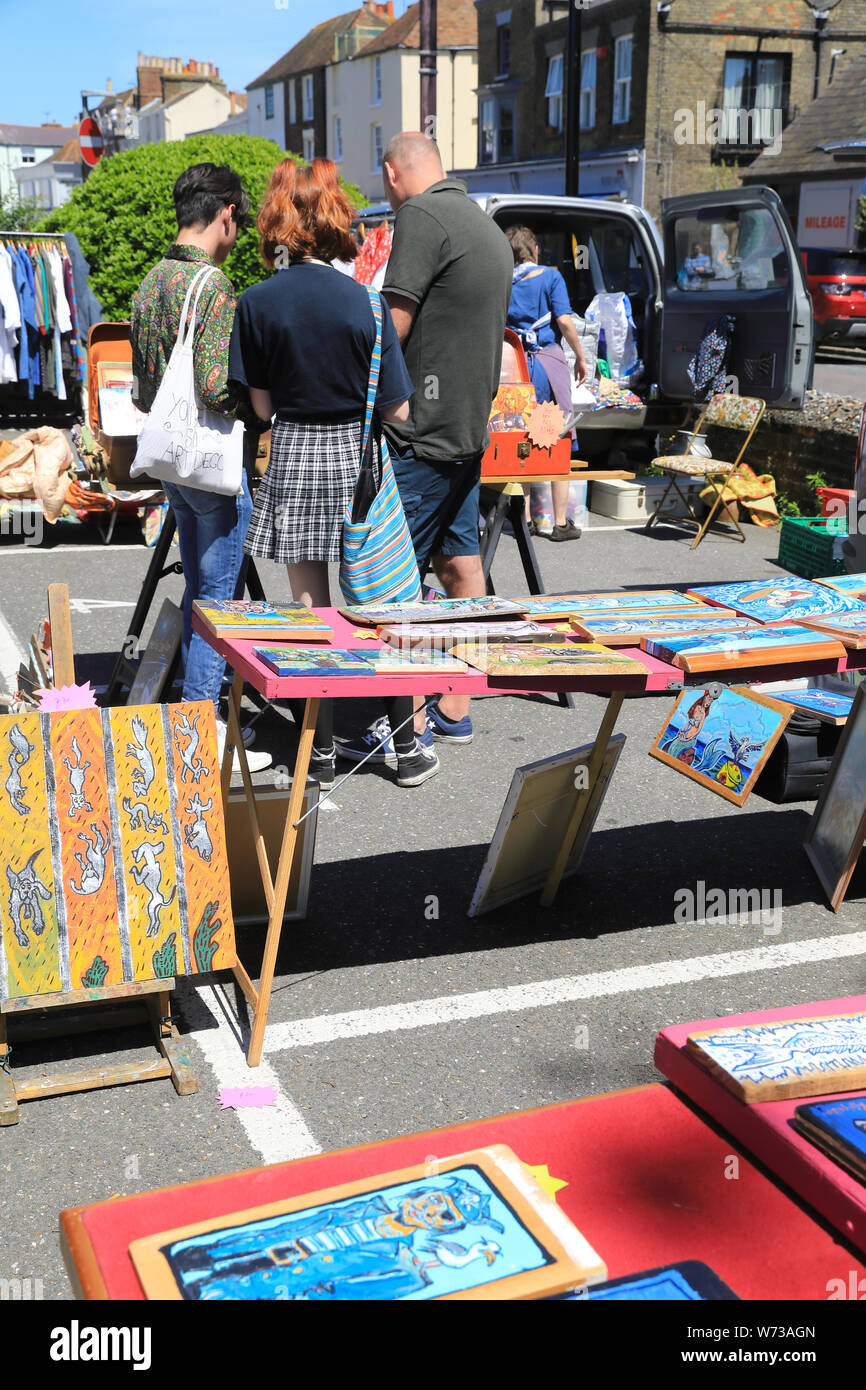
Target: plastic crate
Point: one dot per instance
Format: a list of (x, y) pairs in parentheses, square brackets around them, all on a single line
[(835, 501), (812, 546)]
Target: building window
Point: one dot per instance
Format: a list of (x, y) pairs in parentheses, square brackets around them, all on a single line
[(309, 146), (622, 80), (28, 156), (553, 92), (308, 96), (293, 102), (587, 89), (755, 98), (269, 103), (498, 143), (377, 81), (503, 48), (376, 142), (338, 138)]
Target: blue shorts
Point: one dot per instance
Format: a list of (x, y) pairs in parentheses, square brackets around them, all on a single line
[(441, 502)]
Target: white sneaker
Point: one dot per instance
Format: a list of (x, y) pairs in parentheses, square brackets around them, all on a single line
[(257, 762), (248, 735)]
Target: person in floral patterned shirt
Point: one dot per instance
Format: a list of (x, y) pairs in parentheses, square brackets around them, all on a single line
[(210, 205)]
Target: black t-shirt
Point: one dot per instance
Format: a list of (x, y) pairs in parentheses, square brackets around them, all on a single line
[(306, 336), (451, 260)]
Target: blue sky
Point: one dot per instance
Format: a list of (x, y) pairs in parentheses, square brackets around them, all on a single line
[(52, 50)]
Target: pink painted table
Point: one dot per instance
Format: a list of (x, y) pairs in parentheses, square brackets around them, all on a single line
[(766, 1129), (654, 676)]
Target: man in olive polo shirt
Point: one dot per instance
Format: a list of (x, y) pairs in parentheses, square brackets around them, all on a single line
[(448, 285)]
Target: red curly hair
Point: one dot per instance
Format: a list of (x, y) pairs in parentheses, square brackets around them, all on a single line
[(306, 212)]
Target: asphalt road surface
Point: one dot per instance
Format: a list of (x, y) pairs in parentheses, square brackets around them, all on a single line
[(840, 370), (392, 1010)]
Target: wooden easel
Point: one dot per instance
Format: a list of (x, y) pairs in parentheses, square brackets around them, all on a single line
[(141, 1001), (134, 1003)]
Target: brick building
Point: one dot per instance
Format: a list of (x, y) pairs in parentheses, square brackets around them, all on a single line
[(288, 102), (675, 97)]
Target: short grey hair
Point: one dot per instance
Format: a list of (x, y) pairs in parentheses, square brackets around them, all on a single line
[(411, 148)]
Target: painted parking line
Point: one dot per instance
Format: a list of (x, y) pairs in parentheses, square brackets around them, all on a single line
[(278, 1132), (428, 1013), (11, 656)]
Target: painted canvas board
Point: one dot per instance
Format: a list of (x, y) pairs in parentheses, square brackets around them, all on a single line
[(160, 652), (780, 1061), (312, 661), (846, 583), (527, 660), (847, 628), (616, 632), (689, 1281), (256, 620), (625, 599), (758, 646), (477, 1225), (248, 895), (445, 634), (786, 598), (838, 1128), (721, 737), (441, 610), (533, 820), (826, 705), (838, 825), (407, 660), (112, 849)]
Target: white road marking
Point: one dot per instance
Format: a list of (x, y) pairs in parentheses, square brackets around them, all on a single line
[(276, 1132), (11, 656), (426, 1013)]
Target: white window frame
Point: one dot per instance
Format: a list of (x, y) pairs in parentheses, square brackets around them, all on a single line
[(377, 148), (497, 102), (588, 88), (309, 142), (553, 90), (28, 154), (338, 138), (377, 81), (293, 102), (309, 96), (622, 79), (269, 102)]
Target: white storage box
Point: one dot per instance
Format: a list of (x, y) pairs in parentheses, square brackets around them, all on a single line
[(637, 500)]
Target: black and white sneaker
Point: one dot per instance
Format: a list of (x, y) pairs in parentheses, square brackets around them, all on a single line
[(323, 766), (416, 767)]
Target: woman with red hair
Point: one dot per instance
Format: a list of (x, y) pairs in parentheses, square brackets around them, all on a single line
[(301, 344)]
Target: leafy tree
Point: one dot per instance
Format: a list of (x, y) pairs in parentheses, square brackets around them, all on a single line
[(19, 214), (123, 214)]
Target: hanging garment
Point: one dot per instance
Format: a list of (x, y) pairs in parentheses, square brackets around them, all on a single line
[(88, 309), (79, 351), (707, 369), (47, 354), (10, 320), (55, 265), (28, 371)]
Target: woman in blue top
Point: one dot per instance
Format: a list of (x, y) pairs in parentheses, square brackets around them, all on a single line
[(539, 306)]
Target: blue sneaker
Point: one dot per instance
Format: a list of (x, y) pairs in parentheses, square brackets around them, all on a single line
[(448, 730), (356, 749)]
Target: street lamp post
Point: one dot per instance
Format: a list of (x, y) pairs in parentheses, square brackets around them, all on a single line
[(427, 56), (572, 101)]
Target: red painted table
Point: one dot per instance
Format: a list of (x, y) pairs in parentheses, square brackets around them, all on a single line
[(649, 1183)]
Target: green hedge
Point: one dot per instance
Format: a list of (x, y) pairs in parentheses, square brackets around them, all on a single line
[(123, 215)]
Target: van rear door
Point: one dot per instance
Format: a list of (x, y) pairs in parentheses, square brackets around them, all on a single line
[(734, 252)]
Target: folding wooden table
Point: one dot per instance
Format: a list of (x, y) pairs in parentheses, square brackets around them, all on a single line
[(655, 676)]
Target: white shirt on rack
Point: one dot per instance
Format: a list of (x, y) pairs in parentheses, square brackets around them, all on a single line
[(64, 319), (10, 319)]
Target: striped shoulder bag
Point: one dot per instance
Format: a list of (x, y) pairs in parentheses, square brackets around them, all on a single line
[(377, 563)]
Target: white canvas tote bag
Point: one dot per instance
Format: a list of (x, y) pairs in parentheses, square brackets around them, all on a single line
[(182, 441)]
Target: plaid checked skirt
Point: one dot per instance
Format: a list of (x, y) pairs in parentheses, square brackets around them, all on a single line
[(302, 499)]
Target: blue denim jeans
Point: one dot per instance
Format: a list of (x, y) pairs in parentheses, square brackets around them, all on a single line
[(210, 534)]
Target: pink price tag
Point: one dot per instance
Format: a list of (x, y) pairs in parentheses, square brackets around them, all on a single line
[(246, 1097)]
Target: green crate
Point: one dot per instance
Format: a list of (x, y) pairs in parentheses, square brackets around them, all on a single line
[(812, 546)]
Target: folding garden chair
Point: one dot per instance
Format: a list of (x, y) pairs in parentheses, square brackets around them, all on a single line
[(739, 413)]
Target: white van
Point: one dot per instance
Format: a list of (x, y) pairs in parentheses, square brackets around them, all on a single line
[(756, 276)]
